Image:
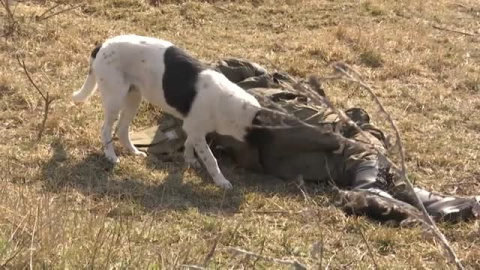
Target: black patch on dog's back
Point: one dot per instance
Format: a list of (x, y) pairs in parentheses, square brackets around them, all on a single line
[(95, 51), (179, 79)]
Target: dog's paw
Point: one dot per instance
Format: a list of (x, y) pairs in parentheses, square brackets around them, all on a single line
[(113, 159), (224, 183), (193, 163), (110, 155), (140, 153)]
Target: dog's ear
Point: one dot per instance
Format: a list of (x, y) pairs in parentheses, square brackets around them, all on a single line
[(260, 118), (267, 118)]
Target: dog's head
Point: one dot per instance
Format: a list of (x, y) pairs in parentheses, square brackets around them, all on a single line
[(245, 114), (257, 133)]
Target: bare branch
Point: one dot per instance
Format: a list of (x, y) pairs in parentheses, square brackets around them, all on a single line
[(345, 70), (33, 236), (46, 98), (399, 143), (22, 64), (454, 31), (11, 258), (260, 253), (316, 97), (12, 236), (221, 8), (41, 18), (193, 267), (293, 263), (6, 4), (12, 24), (369, 249), (330, 260), (211, 253), (48, 10)]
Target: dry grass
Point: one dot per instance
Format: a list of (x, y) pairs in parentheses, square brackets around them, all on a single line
[(63, 206)]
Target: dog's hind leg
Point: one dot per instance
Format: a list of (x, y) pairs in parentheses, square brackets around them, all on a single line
[(113, 94), (129, 109)]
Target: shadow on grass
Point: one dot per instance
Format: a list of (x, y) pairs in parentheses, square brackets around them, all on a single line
[(97, 178)]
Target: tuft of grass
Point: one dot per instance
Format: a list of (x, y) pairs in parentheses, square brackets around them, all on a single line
[(373, 9), (472, 84), (371, 58)]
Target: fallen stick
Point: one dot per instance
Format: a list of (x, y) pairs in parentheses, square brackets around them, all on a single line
[(41, 18), (294, 263), (369, 249), (453, 31), (344, 69)]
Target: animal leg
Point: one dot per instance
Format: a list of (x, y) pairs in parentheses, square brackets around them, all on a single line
[(130, 108), (210, 162), (113, 93)]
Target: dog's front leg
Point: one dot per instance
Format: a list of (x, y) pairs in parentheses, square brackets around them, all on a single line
[(210, 162), (189, 154)]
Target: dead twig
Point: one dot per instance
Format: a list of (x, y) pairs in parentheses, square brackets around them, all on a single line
[(12, 236), (12, 24), (46, 98), (6, 5), (461, 5), (191, 266), (275, 212), (369, 249), (401, 149), (454, 31), (48, 10), (212, 250), (42, 17), (260, 253), (461, 183), (300, 184), (322, 251), (318, 248), (233, 234), (297, 265), (473, 10), (330, 260), (15, 254), (33, 236), (316, 96), (221, 8), (346, 70)]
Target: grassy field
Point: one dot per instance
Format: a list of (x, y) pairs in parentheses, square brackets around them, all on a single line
[(63, 206)]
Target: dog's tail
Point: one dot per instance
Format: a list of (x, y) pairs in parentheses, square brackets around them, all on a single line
[(90, 83)]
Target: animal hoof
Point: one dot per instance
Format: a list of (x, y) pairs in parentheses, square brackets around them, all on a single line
[(224, 184)]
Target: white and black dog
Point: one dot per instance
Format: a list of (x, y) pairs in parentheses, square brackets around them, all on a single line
[(128, 67)]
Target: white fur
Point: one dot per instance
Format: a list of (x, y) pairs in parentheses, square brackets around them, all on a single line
[(123, 61)]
